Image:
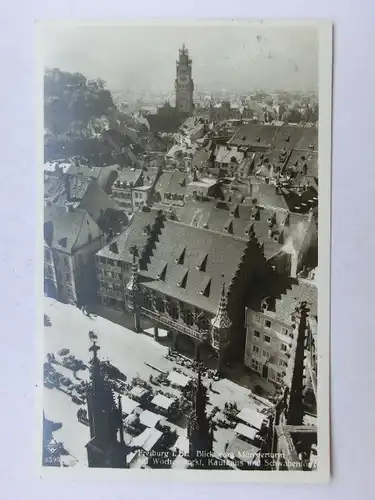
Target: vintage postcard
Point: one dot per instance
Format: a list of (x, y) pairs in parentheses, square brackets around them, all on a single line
[(186, 225)]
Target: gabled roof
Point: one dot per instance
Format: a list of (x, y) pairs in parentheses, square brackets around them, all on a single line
[(171, 182), (252, 134), (223, 258), (217, 216), (228, 155), (62, 228), (134, 235), (304, 163)]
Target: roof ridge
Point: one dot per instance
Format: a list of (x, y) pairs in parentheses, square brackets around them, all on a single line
[(231, 236), (84, 215)]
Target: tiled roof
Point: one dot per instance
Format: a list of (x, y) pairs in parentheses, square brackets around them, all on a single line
[(304, 163), (237, 218), (227, 155), (278, 138), (223, 254), (171, 182), (127, 176), (95, 200), (265, 163), (253, 134), (267, 195), (134, 235), (62, 228)]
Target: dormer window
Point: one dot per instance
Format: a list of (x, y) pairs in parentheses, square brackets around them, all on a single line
[(287, 138), (257, 139), (161, 274), (206, 287), (63, 242), (181, 257), (249, 230), (202, 262), (234, 211), (182, 282), (229, 227)]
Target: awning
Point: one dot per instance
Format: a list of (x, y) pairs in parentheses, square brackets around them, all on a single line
[(148, 439), (178, 379), (241, 450), (128, 405), (138, 391), (246, 431), (149, 419), (162, 401), (252, 417)]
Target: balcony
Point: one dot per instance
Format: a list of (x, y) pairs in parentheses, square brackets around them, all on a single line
[(179, 327)]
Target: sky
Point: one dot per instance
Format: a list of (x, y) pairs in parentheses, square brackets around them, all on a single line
[(142, 58)]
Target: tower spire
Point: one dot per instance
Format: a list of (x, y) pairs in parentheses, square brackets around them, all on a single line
[(122, 441), (221, 319)]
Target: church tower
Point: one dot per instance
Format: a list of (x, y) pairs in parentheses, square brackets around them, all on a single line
[(184, 83), (105, 421)]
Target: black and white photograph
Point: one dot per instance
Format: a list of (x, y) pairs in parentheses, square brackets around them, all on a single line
[(186, 225)]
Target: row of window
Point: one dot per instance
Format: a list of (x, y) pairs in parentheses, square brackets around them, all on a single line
[(267, 339), (257, 318), (112, 262), (108, 274), (266, 354), (110, 286)]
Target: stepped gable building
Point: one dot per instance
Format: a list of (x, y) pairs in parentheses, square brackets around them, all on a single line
[(288, 240), (272, 329), (183, 291), (114, 261), (71, 239), (105, 420)]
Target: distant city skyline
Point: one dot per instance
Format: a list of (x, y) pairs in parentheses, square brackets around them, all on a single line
[(142, 59)]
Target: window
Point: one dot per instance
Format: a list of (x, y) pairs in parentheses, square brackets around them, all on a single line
[(283, 363), (268, 323), (266, 354), (66, 261), (256, 349), (255, 365), (285, 331), (110, 262), (114, 263), (68, 277), (284, 347), (256, 334), (89, 238), (267, 339), (119, 276), (256, 318), (279, 378)]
